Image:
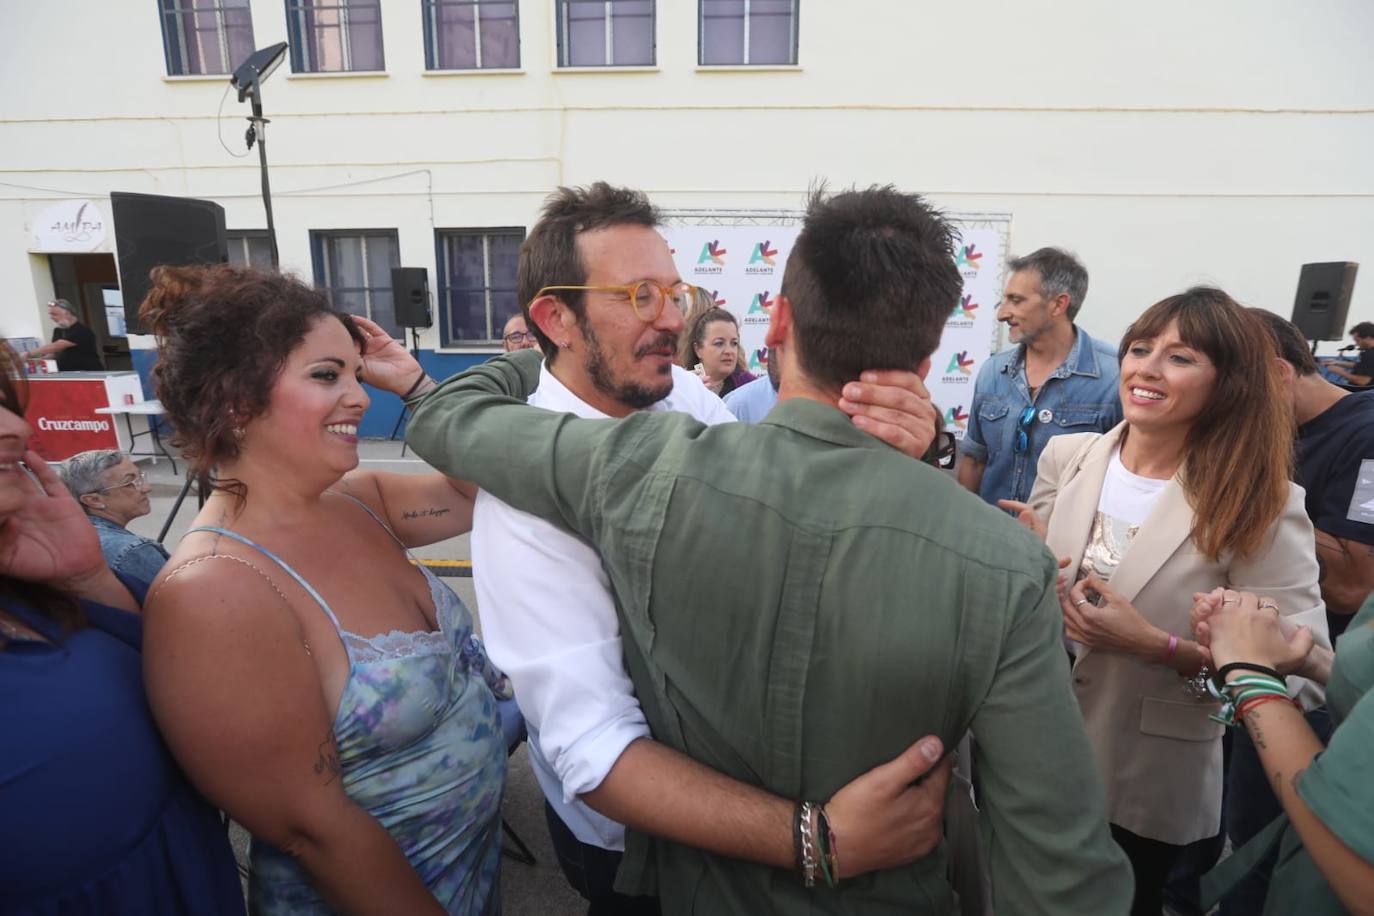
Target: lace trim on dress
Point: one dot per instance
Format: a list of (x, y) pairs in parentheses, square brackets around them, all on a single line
[(396, 644)]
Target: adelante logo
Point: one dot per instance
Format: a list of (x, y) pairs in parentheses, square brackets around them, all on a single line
[(712, 253), (956, 416), (761, 304), (758, 361), (964, 310), (960, 362), (968, 257), (763, 253), (717, 299)]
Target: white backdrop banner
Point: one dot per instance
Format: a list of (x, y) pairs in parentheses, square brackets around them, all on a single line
[(742, 266)]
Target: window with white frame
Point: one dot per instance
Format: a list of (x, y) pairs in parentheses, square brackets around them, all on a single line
[(471, 34), (605, 33), (332, 36), (205, 36), (353, 267), (748, 32), (249, 248), (477, 283)]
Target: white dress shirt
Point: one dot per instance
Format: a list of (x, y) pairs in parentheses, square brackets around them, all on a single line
[(549, 622)]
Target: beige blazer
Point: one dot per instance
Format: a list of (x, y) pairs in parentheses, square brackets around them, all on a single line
[(1159, 754)]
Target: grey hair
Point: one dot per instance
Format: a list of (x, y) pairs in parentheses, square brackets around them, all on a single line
[(84, 472), (1060, 273), (64, 304)]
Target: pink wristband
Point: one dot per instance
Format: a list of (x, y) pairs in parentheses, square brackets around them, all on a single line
[(1169, 652)]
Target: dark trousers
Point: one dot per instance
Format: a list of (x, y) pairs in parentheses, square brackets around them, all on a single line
[(1151, 860), (590, 871)]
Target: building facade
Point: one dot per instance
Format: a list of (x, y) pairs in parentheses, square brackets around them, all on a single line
[(1167, 143)]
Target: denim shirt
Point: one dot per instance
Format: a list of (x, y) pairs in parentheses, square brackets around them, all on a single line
[(128, 554), (1080, 396)]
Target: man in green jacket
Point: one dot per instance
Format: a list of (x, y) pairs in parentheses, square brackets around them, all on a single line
[(799, 602)]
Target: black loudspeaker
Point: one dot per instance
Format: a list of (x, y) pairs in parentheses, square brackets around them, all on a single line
[(1324, 299), (152, 230), (410, 297)]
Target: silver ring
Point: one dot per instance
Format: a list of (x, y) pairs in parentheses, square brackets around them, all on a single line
[(1080, 602), (1268, 604), (1226, 601)]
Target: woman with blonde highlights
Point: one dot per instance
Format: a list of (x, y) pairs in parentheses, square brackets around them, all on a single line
[(1190, 492)]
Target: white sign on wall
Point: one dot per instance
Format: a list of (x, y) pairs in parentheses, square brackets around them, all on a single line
[(69, 227), (743, 266)]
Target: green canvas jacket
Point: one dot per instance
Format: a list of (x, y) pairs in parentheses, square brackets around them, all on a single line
[(799, 603)]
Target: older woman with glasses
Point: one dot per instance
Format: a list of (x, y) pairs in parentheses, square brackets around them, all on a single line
[(114, 492)]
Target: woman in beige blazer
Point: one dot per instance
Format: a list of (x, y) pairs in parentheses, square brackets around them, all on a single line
[(1192, 491)]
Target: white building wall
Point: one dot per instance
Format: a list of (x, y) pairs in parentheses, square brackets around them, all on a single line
[(1167, 143)]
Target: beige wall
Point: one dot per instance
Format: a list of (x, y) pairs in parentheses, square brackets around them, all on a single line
[(1168, 143)]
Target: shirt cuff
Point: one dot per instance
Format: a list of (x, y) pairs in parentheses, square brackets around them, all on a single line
[(585, 764), (975, 450)]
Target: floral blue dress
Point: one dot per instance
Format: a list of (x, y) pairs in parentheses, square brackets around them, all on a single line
[(421, 749)]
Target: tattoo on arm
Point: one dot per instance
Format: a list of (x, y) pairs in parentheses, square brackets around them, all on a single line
[(431, 512), (1252, 722), (328, 761)]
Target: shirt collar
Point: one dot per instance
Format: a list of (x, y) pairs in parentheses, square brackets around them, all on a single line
[(101, 522), (1081, 359), (820, 421)]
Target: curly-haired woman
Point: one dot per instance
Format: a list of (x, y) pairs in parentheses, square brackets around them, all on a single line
[(323, 690)]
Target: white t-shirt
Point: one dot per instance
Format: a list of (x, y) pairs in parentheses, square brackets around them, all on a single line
[(1126, 496), (1124, 505)]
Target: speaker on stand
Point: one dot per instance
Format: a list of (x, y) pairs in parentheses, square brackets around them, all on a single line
[(152, 230), (411, 305), (1323, 300)]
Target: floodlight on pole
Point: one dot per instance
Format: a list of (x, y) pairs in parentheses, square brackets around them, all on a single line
[(247, 79)]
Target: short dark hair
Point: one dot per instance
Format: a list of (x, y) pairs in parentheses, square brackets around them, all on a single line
[(695, 334), (1060, 273), (549, 255), (1292, 347), (1363, 329), (224, 333), (871, 280)]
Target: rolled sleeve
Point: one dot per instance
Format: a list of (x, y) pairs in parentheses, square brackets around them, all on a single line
[(549, 622), (974, 444), (970, 447)]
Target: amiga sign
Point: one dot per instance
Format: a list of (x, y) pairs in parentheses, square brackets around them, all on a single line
[(69, 227)]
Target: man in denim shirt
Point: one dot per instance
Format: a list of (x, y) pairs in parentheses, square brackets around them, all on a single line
[(1057, 380), (114, 492)]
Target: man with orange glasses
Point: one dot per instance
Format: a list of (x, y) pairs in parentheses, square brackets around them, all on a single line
[(606, 303)]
